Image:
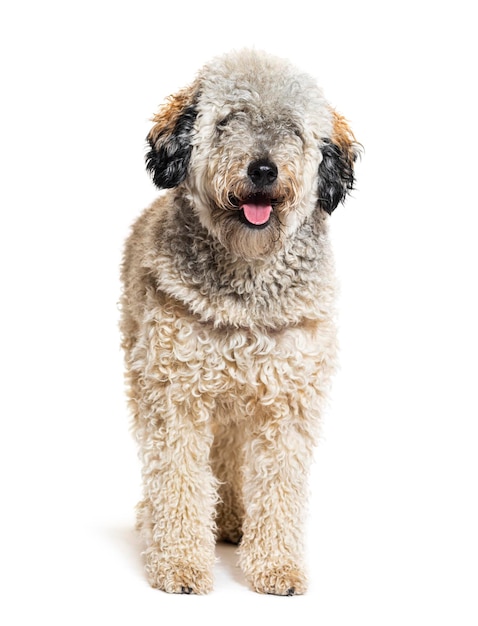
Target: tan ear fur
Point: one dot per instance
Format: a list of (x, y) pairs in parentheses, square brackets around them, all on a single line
[(166, 118), (343, 136)]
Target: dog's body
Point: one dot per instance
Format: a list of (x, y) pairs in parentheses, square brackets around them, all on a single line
[(228, 319)]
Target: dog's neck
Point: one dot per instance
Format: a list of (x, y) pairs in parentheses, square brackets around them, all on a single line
[(292, 285)]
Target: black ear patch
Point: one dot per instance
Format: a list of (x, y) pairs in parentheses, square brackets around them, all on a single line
[(336, 175), (168, 159)]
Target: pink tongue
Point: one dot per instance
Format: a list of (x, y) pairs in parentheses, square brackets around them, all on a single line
[(257, 213)]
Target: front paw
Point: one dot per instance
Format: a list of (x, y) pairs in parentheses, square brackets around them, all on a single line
[(285, 580), (177, 576)]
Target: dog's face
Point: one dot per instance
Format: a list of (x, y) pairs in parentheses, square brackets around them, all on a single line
[(256, 148)]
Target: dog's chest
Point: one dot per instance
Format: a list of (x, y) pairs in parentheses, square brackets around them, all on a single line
[(240, 363), (261, 366)]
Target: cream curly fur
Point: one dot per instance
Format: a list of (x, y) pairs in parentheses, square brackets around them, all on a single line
[(228, 328)]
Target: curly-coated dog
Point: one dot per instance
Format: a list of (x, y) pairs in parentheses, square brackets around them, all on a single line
[(228, 319)]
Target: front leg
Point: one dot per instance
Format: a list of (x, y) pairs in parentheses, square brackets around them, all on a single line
[(277, 458), (176, 517), (172, 422)]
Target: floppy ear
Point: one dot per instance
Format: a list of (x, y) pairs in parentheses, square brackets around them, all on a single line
[(336, 170), (170, 140)]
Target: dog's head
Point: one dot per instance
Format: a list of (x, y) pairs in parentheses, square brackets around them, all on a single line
[(256, 147)]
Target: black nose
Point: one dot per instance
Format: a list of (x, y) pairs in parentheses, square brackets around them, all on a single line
[(262, 173)]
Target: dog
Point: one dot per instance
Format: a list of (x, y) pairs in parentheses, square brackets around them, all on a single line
[(227, 319)]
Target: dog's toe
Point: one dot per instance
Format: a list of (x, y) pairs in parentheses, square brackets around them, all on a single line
[(180, 577), (280, 581)]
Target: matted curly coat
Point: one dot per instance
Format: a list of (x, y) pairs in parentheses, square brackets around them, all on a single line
[(228, 319)]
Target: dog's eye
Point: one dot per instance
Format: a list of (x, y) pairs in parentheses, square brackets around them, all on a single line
[(222, 124), (297, 132)]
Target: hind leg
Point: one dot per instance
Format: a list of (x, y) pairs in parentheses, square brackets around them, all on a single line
[(226, 460)]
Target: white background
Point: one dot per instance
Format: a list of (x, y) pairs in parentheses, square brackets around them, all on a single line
[(393, 522)]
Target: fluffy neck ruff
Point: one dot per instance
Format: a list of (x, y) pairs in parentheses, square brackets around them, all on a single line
[(286, 288)]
